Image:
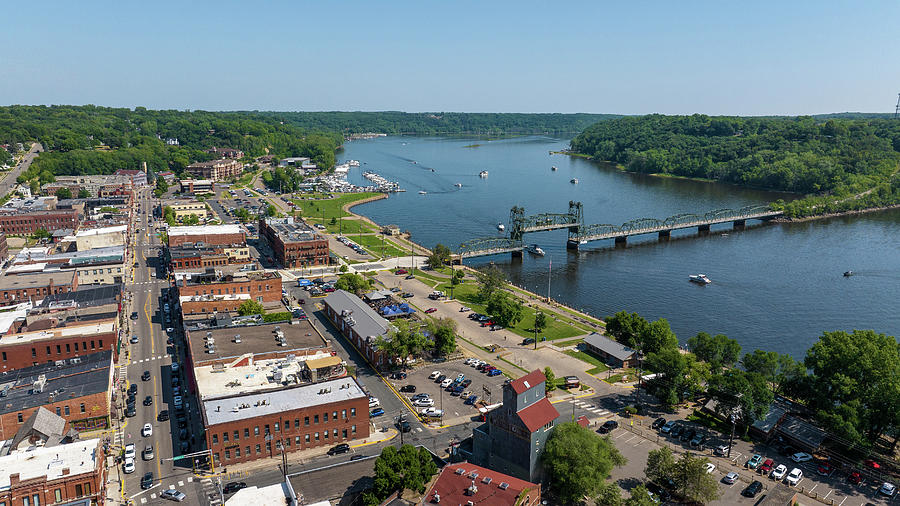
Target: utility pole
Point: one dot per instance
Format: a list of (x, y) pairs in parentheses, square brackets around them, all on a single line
[(731, 439)]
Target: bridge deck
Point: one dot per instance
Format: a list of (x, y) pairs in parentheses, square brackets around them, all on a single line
[(488, 252), (669, 228)]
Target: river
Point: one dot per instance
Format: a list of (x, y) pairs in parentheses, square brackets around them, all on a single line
[(775, 287)]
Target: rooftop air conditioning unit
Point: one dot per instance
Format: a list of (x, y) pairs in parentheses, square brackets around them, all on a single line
[(504, 485), (460, 471)]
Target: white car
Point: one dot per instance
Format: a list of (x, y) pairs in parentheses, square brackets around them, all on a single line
[(434, 375), (709, 467), (169, 330), (174, 366), (465, 309), (794, 477), (130, 451), (128, 467), (887, 489), (423, 403), (801, 457), (373, 402), (431, 412), (460, 377), (779, 472), (147, 430), (446, 383)]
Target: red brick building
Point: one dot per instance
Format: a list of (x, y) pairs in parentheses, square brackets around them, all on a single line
[(214, 292), (191, 257), (45, 344), (294, 244), (210, 235), (54, 474), (464, 482), (296, 418), (4, 248), (36, 286), (30, 222)]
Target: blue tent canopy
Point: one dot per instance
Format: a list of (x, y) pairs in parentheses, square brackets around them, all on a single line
[(304, 282)]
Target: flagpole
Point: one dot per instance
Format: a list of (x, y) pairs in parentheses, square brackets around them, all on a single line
[(549, 273)]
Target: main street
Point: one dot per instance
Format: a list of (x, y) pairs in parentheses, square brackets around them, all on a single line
[(10, 179)]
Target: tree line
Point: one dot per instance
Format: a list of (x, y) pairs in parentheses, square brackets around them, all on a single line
[(840, 163), (850, 381)]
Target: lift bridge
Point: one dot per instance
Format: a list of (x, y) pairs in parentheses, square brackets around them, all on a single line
[(579, 233)]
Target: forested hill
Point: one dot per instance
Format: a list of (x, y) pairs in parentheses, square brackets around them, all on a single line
[(443, 123), (101, 140), (845, 163)]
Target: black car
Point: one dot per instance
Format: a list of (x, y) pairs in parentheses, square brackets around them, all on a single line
[(608, 427), (130, 412), (163, 415), (659, 422), (234, 486), (134, 315), (676, 431), (752, 489), (145, 376), (441, 378), (408, 388), (341, 448), (132, 390), (527, 341), (660, 491), (183, 434), (148, 401), (184, 447), (147, 481), (688, 434), (398, 375)]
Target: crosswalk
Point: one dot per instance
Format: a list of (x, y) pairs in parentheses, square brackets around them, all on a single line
[(174, 485), (148, 359), (587, 406), (211, 491)]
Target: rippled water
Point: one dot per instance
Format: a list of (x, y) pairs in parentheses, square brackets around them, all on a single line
[(774, 287)]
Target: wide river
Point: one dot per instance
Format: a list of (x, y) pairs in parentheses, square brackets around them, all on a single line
[(774, 287)]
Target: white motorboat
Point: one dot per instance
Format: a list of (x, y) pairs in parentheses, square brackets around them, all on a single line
[(574, 180), (700, 279), (553, 168), (501, 227), (422, 192), (534, 249), (483, 173), (458, 185)]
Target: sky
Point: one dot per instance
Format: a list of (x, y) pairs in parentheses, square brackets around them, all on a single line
[(631, 57)]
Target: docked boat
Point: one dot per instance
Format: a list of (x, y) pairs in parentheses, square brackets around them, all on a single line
[(501, 227), (483, 173), (574, 180), (553, 168), (422, 192), (458, 185), (847, 274), (700, 279), (534, 249)]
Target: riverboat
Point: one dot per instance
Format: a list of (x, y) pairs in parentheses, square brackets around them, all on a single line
[(422, 192), (553, 168), (574, 180), (483, 173), (534, 249), (847, 274), (501, 227), (458, 185), (700, 279)]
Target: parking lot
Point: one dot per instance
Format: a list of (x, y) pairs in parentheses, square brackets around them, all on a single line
[(488, 389)]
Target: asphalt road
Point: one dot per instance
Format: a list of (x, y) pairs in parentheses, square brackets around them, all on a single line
[(10, 180)]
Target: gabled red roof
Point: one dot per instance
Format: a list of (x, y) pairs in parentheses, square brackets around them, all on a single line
[(451, 487), (531, 379), (583, 421), (538, 414)]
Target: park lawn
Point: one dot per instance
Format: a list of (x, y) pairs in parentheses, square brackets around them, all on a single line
[(571, 342), (590, 358), (373, 244), (429, 275), (468, 294), (345, 227), (329, 208)]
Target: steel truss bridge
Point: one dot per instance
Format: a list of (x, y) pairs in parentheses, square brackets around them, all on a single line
[(579, 233)]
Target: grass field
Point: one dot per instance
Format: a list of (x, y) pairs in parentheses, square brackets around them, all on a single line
[(330, 207), (571, 342), (373, 244), (347, 226), (590, 358)]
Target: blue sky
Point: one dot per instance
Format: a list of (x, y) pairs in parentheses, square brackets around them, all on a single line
[(633, 57)]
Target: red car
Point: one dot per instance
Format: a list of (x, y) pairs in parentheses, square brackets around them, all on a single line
[(825, 469), (767, 466), (431, 310), (488, 369), (855, 478), (871, 463), (401, 271)]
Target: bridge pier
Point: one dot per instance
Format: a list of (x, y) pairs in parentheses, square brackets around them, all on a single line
[(664, 234), (572, 244), (739, 224), (622, 239), (516, 254), (702, 228)]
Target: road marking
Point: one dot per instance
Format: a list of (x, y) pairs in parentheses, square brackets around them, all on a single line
[(143, 500), (180, 483), (152, 496), (842, 501), (630, 439), (814, 486), (190, 479), (828, 494), (623, 433)]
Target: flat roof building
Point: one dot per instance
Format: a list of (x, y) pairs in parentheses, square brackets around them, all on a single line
[(358, 322), (466, 483), (197, 186), (214, 291), (215, 170), (207, 235), (53, 475), (294, 243), (53, 336), (34, 287), (245, 344)]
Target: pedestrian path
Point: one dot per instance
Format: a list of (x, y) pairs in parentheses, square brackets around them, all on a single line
[(211, 491), (587, 406), (174, 485), (148, 359)]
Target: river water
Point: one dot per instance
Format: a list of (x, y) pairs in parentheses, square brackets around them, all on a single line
[(775, 287)]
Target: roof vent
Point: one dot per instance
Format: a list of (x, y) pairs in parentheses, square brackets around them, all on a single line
[(437, 498), (487, 480), (472, 490), (526, 384), (504, 485), (460, 471), (473, 475)]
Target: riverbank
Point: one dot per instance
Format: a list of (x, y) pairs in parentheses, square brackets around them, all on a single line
[(836, 215)]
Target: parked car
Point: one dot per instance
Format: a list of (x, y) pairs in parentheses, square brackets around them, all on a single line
[(446, 383), (441, 378), (163, 415), (404, 426), (472, 399), (688, 434), (466, 382), (341, 448), (721, 450), (667, 427), (234, 486), (527, 341), (398, 375), (658, 423), (128, 466), (779, 472), (373, 402), (172, 494), (464, 309), (410, 276), (148, 401), (147, 454), (407, 295), (423, 395), (699, 440), (145, 376), (401, 271), (494, 372), (431, 310), (801, 457), (794, 477), (887, 489), (730, 478), (709, 467), (752, 489), (408, 388), (766, 466), (825, 469), (754, 461), (130, 451), (855, 478), (608, 427), (423, 403), (676, 431), (434, 375), (376, 412)]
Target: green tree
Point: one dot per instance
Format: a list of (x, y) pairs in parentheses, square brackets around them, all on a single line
[(333, 221), (190, 220), (41, 233), (405, 340), (249, 307), (161, 186), (271, 211), (719, 350), (693, 482), (608, 495), (408, 468), (551, 379), (657, 336), (506, 309), (443, 332), (626, 328), (169, 215), (640, 496), (678, 374), (242, 214), (344, 268), (540, 323), (490, 279), (746, 394), (440, 255), (84, 194), (353, 283), (661, 466), (578, 462), (63, 193), (780, 370)]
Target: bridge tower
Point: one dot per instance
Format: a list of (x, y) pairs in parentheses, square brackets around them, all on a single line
[(577, 212), (897, 108), (516, 223)]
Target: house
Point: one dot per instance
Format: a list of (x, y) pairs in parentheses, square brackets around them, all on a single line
[(392, 230), (614, 354), (513, 437)]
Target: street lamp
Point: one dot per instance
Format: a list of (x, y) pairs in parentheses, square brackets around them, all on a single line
[(280, 445)]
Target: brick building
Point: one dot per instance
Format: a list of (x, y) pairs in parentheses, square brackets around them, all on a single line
[(60, 337), (213, 291), (138, 177), (358, 322), (183, 208), (223, 235), (515, 434), (34, 287), (465, 483), (4, 248), (188, 256), (67, 473), (87, 383), (296, 418), (197, 186), (215, 170), (239, 345), (294, 244), (27, 223)]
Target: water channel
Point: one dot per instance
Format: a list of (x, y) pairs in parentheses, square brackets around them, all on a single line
[(775, 287)]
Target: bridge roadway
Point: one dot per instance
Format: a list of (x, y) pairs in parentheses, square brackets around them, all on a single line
[(664, 229)]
